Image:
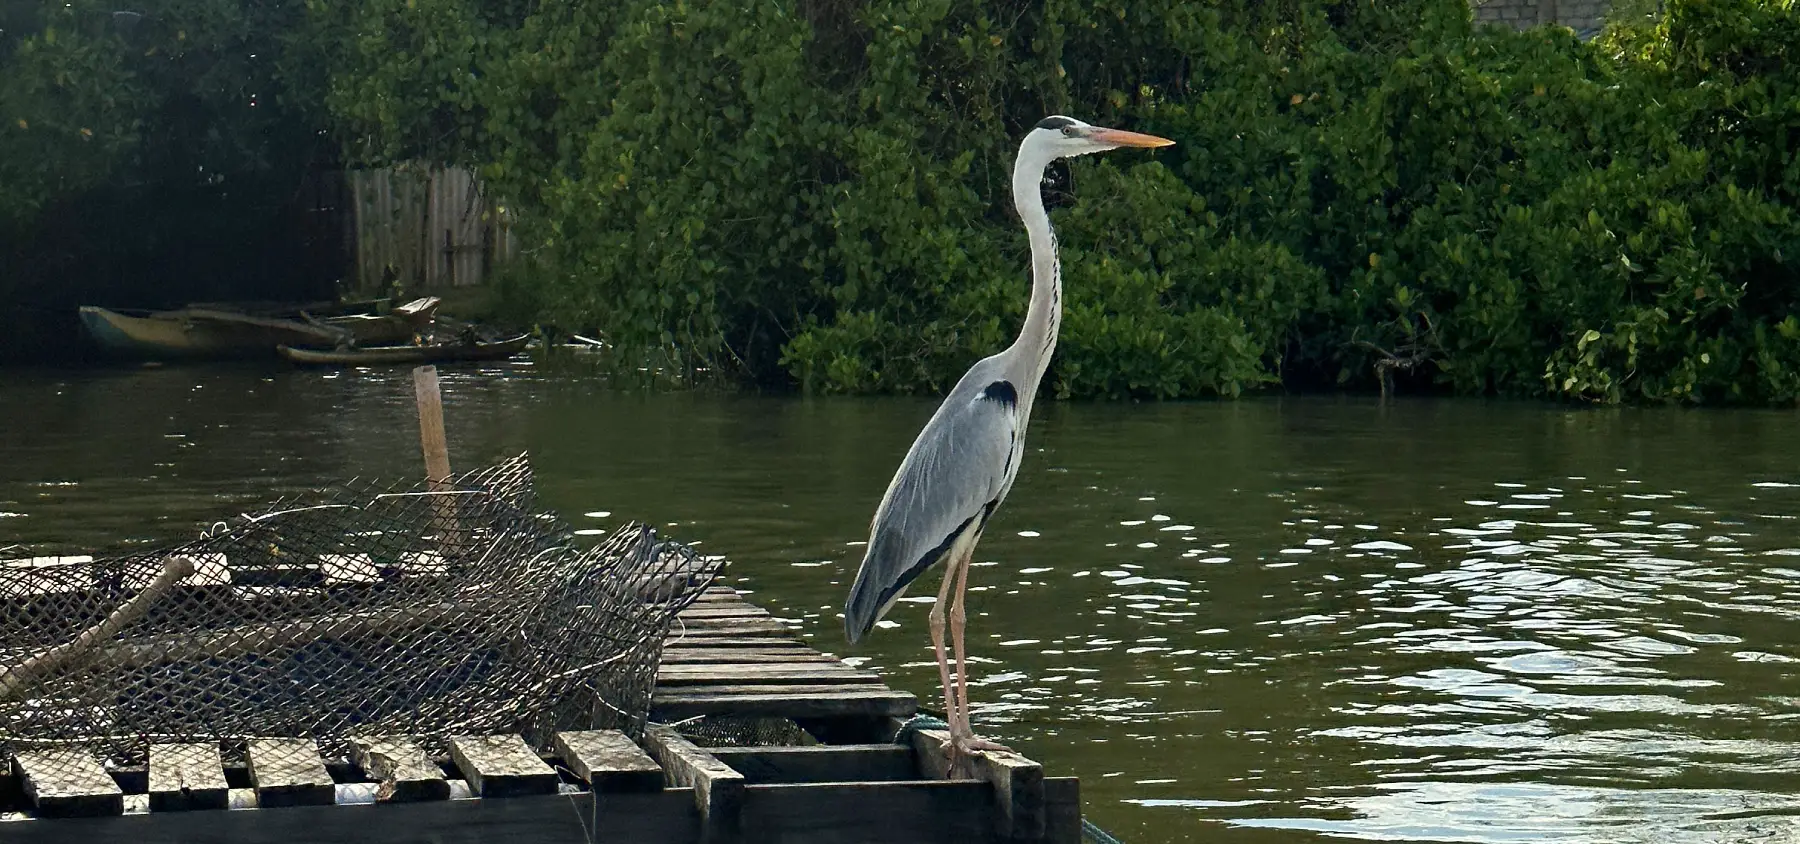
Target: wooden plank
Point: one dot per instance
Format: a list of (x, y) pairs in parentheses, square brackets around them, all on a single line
[(751, 671), (608, 761), (758, 687), (784, 703), (731, 627), (672, 676), (701, 650), (1062, 810), (692, 639), (699, 611), (763, 634), (501, 766), (714, 639), (718, 790), (867, 812), (289, 772), (702, 616), (401, 768), (747, 656), (820, 763), (665, 817), (67, 784), (1018, 782), (187, 776)]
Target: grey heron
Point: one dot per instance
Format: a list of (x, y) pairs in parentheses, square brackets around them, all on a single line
[(964, 461)]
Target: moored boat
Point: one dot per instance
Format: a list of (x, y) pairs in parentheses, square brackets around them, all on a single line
[(421, 354), (212, 333)]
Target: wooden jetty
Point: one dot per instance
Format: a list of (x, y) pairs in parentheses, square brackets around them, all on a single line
[(835, 774), (725, 658)]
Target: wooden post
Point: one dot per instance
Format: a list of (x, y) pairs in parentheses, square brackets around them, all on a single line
[(431, 425), (437, 458)]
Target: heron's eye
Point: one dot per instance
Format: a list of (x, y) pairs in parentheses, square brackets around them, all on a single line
[(1068, 131)]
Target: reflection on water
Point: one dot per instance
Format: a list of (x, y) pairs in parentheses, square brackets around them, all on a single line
[(1263, 621)]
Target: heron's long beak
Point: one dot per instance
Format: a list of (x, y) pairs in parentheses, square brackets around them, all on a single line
[(1120, 137)]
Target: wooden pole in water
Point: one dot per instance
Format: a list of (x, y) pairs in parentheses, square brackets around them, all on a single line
[(431, 425), (437, 457)]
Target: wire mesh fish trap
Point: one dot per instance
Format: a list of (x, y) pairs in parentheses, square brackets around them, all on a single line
[(362, 610), (744, 731)]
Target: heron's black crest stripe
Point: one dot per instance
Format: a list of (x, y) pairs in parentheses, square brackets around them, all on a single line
[(1003, 392), (1055, 123)]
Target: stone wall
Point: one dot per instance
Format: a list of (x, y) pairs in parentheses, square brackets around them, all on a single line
[(1583, 16)]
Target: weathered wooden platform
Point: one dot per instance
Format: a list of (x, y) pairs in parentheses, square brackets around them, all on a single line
[(726, 657)]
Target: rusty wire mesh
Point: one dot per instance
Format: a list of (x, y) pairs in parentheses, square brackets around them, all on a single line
[(356, 611)]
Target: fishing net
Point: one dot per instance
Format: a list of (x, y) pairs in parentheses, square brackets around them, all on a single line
[(364, 610), (744, 731)]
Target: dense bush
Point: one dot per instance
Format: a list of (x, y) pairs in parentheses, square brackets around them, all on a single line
[(815, 191), (154, 157)]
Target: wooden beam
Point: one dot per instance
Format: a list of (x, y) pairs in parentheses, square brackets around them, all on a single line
[(794, 655), (708, 640), (1018, 783), (80, 651), (778, 673), (67, 784), (400, 767), (608, 761), (699, 611), (289, 772), (187, 776), (753, 688), (718, 790), (665, 817), (820, 763), (777, 701), (730, 627), (502, 766)]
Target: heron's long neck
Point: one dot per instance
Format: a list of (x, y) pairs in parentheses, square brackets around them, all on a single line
[(1037, 340)]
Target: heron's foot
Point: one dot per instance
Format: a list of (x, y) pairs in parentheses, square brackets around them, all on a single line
[(965, 745)]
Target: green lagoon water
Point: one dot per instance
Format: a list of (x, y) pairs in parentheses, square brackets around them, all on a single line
[(1269, 620)]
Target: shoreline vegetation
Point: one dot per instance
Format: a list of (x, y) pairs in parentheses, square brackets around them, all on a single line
[(812, 195)]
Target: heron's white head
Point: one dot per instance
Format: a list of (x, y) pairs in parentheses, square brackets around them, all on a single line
[(1065, 137)]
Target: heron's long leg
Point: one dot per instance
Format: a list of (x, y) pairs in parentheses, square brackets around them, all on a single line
[(957, 621), (937, 641), (965, 740)]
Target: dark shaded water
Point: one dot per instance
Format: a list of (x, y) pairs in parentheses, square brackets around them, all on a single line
[(1258, 621)]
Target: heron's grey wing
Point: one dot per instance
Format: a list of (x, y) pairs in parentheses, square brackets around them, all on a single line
[(950, 481)]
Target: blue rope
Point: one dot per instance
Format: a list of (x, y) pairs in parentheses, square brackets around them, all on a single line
[(1089, 832), (916, 723)]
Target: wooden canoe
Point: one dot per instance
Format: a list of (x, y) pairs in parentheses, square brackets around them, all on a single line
[(212, 333), (389, 355)]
